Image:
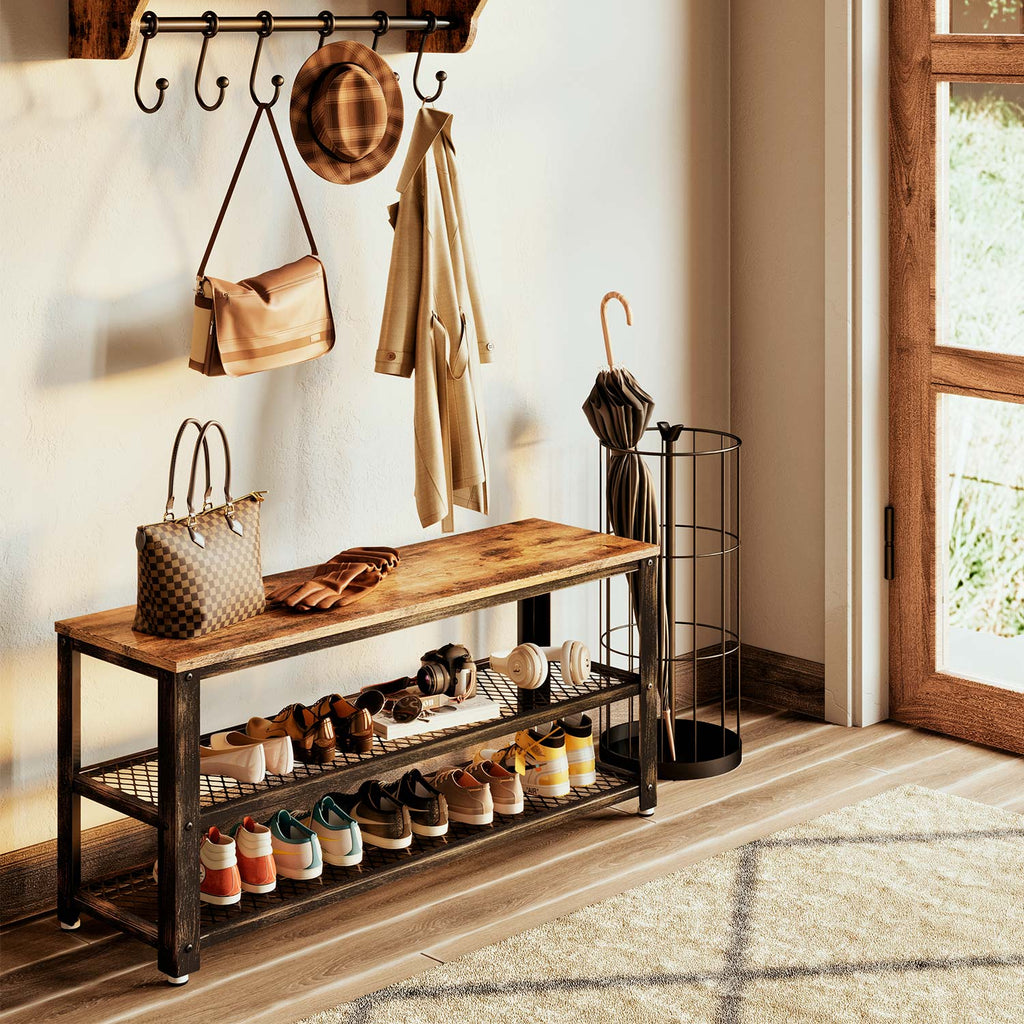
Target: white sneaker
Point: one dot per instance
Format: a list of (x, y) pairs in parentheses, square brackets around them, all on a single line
[(340, 841)]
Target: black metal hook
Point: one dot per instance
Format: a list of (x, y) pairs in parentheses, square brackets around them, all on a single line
[(382, 29), (147, 31), (328, 27), (441, 76), (277, 81), (212, 28)]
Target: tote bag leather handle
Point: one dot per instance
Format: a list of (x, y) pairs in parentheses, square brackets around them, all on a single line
[(169, 508), (200, 441), (234, 181)]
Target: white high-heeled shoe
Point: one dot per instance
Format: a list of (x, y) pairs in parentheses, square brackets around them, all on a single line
[(246, 764), (277, 750)]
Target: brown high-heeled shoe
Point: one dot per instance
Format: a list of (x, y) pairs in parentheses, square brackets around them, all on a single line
[(312, 735), (353, 726)]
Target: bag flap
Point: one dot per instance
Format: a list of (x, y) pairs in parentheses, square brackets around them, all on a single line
[(276, 318)]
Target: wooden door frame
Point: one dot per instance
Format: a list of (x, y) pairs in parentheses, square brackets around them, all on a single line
[(919, 371)]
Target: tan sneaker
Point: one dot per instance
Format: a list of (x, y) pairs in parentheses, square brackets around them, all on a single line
[(469, 800), (506, 787)]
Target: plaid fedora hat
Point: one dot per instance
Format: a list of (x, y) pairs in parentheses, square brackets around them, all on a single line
[(346, 112)]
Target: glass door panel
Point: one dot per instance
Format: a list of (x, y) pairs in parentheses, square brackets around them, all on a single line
[(980, 17), (980, 229), (981, 535)]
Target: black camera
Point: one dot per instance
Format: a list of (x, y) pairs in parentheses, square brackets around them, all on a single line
[(450, 670)]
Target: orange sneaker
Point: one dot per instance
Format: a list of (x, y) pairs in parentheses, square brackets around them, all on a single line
[(220, 882), (255, 850)]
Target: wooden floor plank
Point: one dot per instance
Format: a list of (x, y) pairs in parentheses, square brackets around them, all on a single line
[(1000, 784), (35, 941), (793, 769)]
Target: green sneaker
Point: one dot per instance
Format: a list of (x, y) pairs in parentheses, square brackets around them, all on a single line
[(296, 848), (340, 841)]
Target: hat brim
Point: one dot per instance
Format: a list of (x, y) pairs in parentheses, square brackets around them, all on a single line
[(345, 51)]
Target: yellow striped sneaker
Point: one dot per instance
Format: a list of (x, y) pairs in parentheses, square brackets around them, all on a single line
[(579, 750), (539, 757)]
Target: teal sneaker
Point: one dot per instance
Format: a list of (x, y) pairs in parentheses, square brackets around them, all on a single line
[(340, 839), (296, 848)]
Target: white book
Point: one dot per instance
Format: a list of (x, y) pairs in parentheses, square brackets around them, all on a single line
[(477, 709)]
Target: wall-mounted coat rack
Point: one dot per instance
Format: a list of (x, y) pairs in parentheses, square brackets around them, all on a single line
[(325, 24), (110, 29)]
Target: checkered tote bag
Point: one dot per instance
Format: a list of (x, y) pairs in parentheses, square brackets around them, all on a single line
[(201, 572)]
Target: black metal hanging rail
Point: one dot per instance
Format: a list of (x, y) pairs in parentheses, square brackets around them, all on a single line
[(314, 23)]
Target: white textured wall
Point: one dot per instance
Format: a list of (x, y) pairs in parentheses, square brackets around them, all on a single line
[(777, 225), (595, 155)]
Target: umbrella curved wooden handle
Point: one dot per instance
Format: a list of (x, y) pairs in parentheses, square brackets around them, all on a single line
[(604, 322)]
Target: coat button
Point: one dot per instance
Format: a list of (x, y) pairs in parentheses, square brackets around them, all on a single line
[(392, 357), (490, 346)]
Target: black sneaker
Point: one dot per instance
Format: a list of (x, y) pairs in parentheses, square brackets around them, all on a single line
[(428, 809), (383, 821)]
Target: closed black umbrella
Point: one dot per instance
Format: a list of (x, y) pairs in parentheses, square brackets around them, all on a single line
[(619, 411)]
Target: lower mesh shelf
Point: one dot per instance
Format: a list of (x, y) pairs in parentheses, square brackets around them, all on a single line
[(136, 892)]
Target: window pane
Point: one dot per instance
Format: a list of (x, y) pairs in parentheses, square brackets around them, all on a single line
[(981, 491), (1000, 17), (981, 218)]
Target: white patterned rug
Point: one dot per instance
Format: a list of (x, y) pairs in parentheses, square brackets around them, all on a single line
[(908, 907)]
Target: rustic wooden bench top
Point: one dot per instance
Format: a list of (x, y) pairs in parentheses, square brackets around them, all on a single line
[(437, 579)]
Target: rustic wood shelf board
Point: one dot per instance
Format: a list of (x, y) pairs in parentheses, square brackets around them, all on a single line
[(456, 40), (104, 29), (109, 29), (437, 579)]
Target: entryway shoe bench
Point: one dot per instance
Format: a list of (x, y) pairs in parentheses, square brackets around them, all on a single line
[(523, 562)]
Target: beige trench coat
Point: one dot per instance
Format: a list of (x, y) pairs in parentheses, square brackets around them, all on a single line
[(433, 324)]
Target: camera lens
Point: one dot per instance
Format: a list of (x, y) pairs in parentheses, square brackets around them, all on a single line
[(432, 678)]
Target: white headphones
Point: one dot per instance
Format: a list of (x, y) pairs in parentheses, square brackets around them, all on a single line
[(527, 664)]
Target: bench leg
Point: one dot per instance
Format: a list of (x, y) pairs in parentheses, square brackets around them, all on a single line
[(647, 622), (69, 763), (534, 627), (178, 809)]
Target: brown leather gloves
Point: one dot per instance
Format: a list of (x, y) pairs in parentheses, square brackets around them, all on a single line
[(347, 577)]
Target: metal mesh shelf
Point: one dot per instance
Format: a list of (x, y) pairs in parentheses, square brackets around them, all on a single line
[(136, 775), (136, 893)]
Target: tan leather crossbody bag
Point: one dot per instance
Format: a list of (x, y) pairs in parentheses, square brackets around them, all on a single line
[(275, 319)]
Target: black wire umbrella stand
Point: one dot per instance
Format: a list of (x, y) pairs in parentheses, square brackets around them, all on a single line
[(705, 646)]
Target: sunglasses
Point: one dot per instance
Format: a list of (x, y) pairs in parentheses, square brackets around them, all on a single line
[(412, 706)]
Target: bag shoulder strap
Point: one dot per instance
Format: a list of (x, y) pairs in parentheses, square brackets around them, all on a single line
[(234, 181)]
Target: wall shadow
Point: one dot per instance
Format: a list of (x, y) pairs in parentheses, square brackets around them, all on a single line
[(33, 30)]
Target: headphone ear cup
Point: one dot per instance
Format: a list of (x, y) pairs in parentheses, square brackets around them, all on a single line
[(578, 660), (574, 660), (526, 665)]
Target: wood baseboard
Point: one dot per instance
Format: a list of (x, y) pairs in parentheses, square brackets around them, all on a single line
[(779, 680), (782, 681), (28, 877)]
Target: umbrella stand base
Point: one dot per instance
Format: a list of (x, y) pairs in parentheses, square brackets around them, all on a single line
[(718, 750)]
